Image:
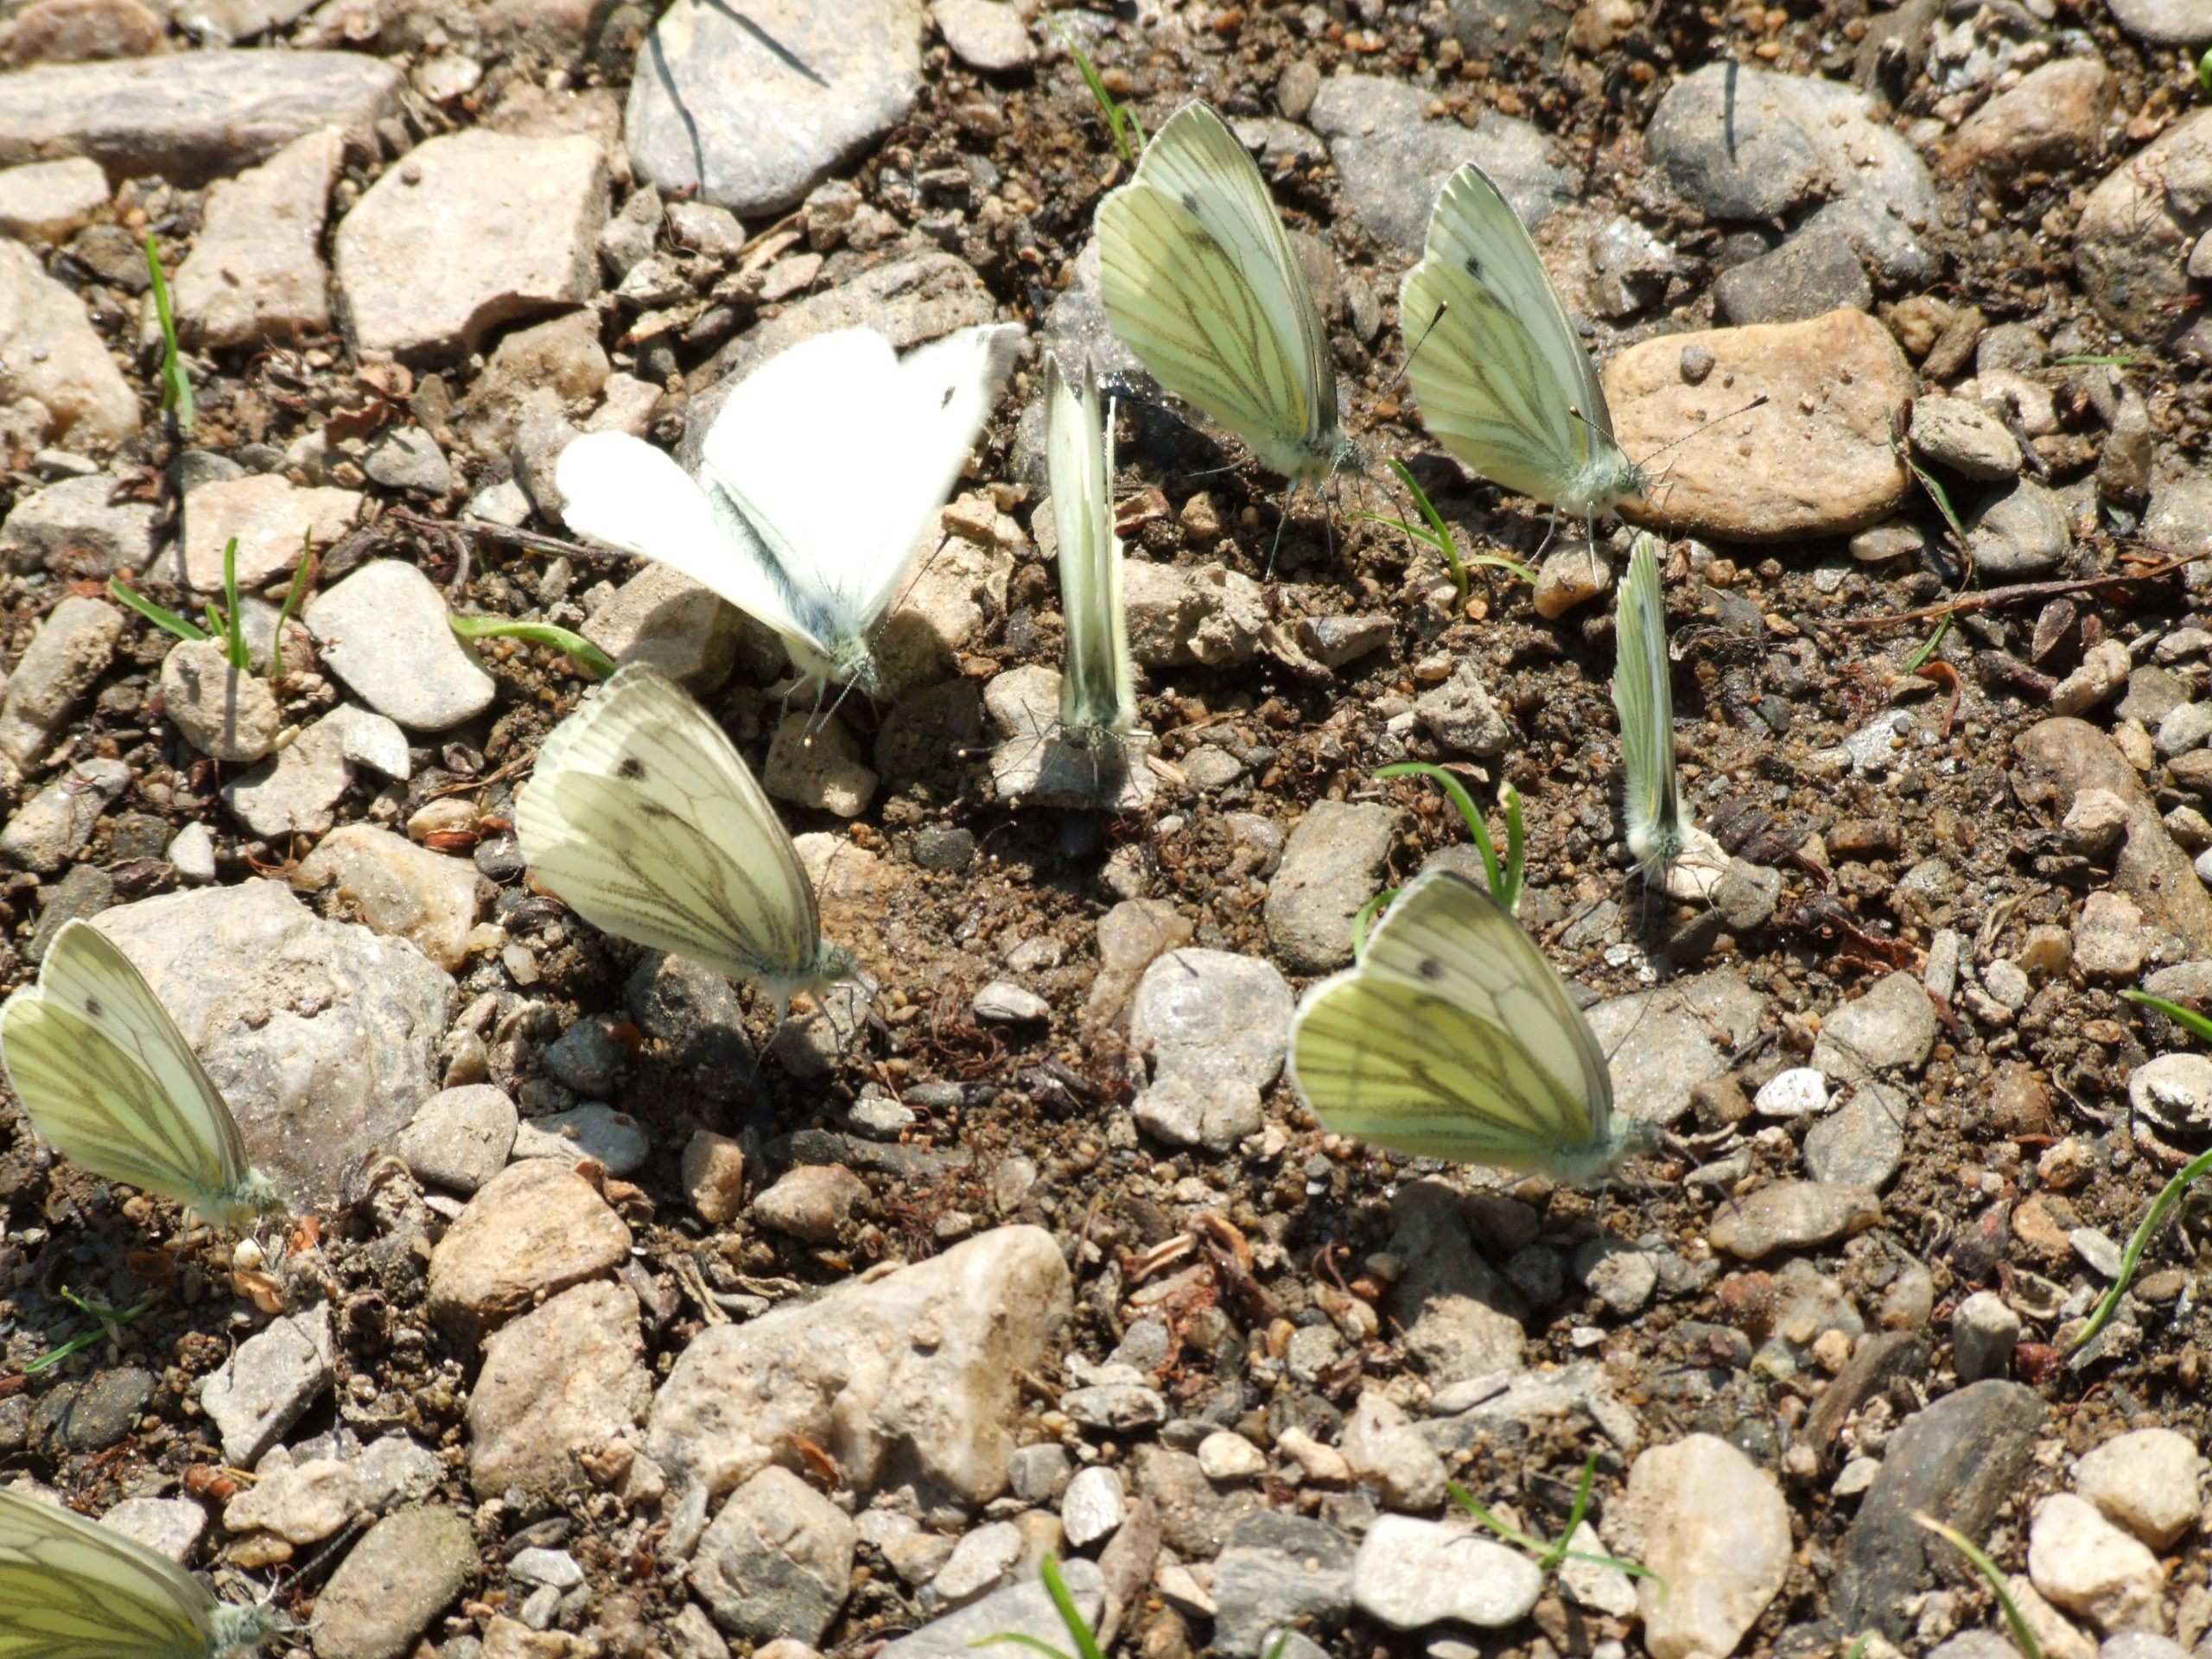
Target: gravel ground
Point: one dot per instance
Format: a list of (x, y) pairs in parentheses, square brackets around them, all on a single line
[(611, 1319)]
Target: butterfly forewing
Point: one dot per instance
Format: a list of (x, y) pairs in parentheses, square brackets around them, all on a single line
[(107, 1077), (1643, 697), (645, 819), (72, 1589), (1199, 278)]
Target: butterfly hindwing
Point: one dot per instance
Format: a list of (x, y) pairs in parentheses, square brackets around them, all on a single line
[(642, 818), (105, 1075)]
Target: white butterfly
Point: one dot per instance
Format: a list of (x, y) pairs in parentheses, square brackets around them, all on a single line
[(105, 1076), (642, 818), (1199, 280), (1454, 1038), (1643, 696), (815, 483), (1098, 702), (1671, 852), (72, 1589), (1500, 373)]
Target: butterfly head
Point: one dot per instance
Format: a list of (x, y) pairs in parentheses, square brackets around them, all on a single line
[(245, 1200), (1337, 453), (237, 1629), (1606, 480)]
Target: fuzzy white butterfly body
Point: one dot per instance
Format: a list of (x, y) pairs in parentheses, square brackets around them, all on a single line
[(105, 1075), (773, 522), (1200, 281), (642, 818), (1099, 703), (1498, 370), (1454, 1038), (73, 1589)]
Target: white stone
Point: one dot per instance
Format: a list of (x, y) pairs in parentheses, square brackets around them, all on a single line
[(2145, 1481), (1224, 1455), (1410, 1574), (1714, 1527), (255, 272), (2086, 1566), (1093, 1506), (44, 201), (1798, 1092)]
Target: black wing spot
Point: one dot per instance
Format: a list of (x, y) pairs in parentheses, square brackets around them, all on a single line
[(1474, 267), (93, 1007), (1431, 968), (1190, 201), (630, 768), (946, 402)]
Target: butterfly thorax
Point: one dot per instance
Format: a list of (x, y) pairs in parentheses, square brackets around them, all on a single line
[(1334, 453), (245, 1200), (1601, 484), (232, 1629), (1627, 1137)]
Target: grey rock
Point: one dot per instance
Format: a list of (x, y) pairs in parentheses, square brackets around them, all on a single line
[(408, 458), (1861, 1143), (2164, 22), (255, 272), (1333, 641), (2138, 232), (629, 235), (1411, 1574), (1748, 144), (1622, 1278), (986, 35), (1791, 1216), (1004, 1003), (1959, 1460), (754, 112), (1664, 1043), (461, 1138), (44, 201), (193, 853), (1209, 616), (1701, 1512), (1383, 1447), (57, 822), (680, 626), (1039, 1473), (1810, 274), (1983, 1333), (71, 650), (1461, 715), (96, 1414), (1461, 1318), (383, 631), (593, 1130), (419, 277), (1892, 1025), (1279, 1570), (293, 792), (2020, 534), (403, 1574), (2186, 727), (1215, 1113), (78, 528), (1966, 438), (193, 115), (223, 712), (692, 1010), (172, 1526), (1094, 1507), (1393, 160), (268, 1383), (1332, 865), (63, 385), (1024, 1608), (1115, 1407), (585, 1057), (777, 1562), (1208, 1014), (318, 1034), (396, 1470)]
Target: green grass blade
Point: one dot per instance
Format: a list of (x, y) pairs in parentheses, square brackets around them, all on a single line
[(2188, 1019), (291, 601), (234, 646), (1439, 533), (177, 385), (2022, 1637), (1121, 124), (1457, 791), (1086, 1644), (1365, 919), (596, 662), (160, 615), (106, 1319), (1517, 848), (2139, 1240)]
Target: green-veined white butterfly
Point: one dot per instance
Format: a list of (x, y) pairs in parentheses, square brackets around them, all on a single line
[(645, 819), (1500, 376), (1454, 1038), (105, 1074), (1670, 851), (73, 1589), (1199, 280), (1098, 702), (1643, 696), (775, 522)]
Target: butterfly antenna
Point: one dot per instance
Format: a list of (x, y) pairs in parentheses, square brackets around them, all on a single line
[(1407, 367), (1282, 521)]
